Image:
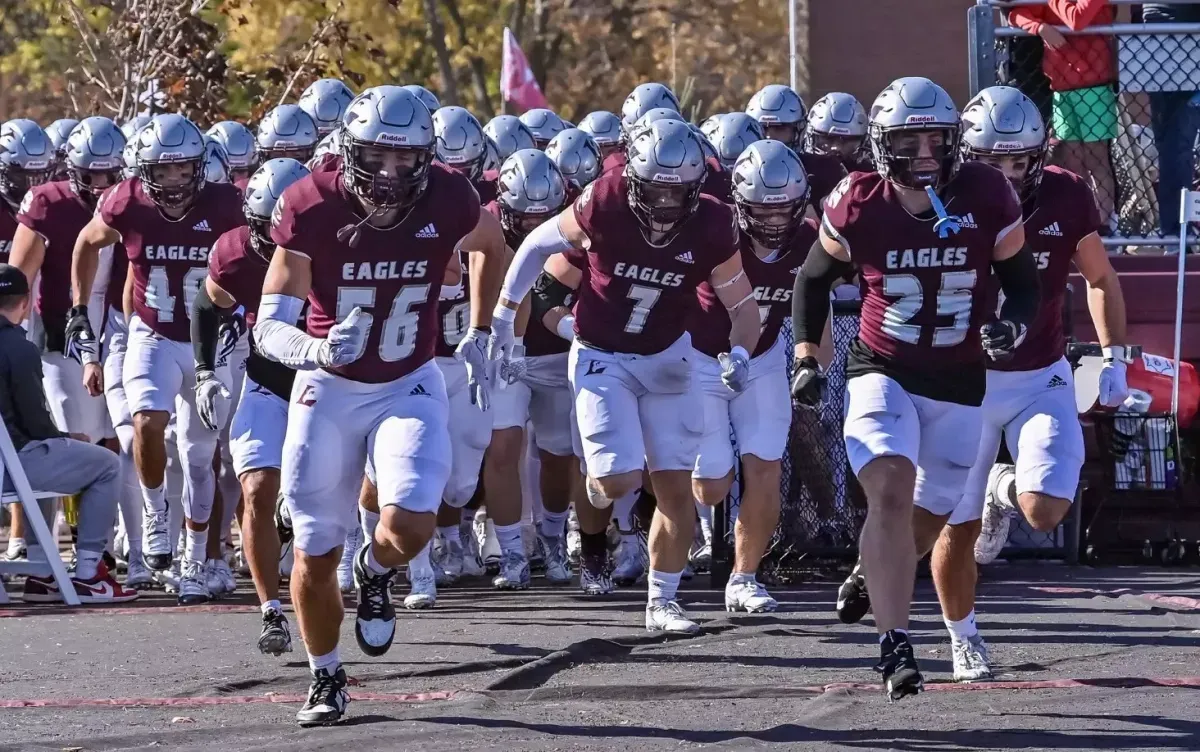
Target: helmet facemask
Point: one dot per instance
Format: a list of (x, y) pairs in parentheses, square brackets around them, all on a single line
[(662, 207), (86, 185), (897, 155), (299, 153), (788, 133), (771, 225), (176, 195), (16, 181), (368, 179), (260, 234), (1025, 186)]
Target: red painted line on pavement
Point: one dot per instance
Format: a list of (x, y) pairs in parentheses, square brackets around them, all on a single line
[(53, 610), (1177, 601), (154, 702), (423, 697)]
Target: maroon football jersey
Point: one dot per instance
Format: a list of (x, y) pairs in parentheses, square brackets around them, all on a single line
[(328, 162), (239, 270), (393, 274), (615, 161), (8, 228), (57, 214), (824, 173), (772, 282), (636, 297), (924, 297), (1062, 212), (170, 257)]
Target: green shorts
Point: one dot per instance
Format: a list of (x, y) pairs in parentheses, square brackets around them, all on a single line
[(1085, 114)]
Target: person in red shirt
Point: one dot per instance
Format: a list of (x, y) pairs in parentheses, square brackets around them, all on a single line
[(1081, 69)]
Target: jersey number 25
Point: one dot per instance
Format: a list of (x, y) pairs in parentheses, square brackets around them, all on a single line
[(954, 298)]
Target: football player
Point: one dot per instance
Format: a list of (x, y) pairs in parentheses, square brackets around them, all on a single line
[(645, 239), (543, 124), (1030, 399), (51, 217), (770, 195), (531, 191), (605, 128), (781, 113), (509, 135), (241, 150), (237, 267), (26, 160), (167, 219), (58, 132), (578, 158), (287, 132), (369, 245), (916, 371), (642, 99), (462, 145), (326, 100), (730, 134), (837, 127)]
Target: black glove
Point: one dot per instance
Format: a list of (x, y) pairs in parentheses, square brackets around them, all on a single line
[(81, 340), (808, 382), (1000, 338)]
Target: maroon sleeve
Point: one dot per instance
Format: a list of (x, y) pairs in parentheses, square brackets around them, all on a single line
[(33, 211), (1007, 205), (584, 210), (725, 234), (840, 211), (287, 220), (114, 205), (221, 257), (472, 206), (1083, 200)]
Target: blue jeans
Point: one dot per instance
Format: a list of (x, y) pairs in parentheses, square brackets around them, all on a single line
[(1175, 119)]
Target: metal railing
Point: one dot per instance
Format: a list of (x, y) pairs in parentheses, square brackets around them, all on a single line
[(1132, 134)]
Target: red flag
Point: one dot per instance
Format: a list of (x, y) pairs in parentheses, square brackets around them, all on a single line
[(517, 84)]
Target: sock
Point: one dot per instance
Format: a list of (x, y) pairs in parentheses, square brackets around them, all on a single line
[(738, 578), (271, 606), (86, 563), (369, 521), (450, 534), (510, 538), (155, 498), (197, 541), (554, 524), (962, 629), (330, 661), (884, 636), (663, 584), (705, 513), (593, 544), (15, 545), (373, 565), (623, 512)]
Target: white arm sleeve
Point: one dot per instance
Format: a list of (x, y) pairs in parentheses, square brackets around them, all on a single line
[(539, 245), (278, 337)]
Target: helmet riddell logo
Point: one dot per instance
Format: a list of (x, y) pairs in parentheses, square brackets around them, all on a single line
[(775, 198), (392, 138), (666, 177), (36, 164), (1007, 145), (104, 164), (838, 130), (171, 155), (921, 119)]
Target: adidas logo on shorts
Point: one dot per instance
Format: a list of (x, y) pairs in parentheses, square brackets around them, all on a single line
[(1056, 381), (418, 390), (1051, 229), (202, 226), (428, 231), (685, 257)]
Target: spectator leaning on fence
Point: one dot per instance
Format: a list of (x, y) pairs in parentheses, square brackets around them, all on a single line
[(53, 460), (1081, 69), (1175, 115)]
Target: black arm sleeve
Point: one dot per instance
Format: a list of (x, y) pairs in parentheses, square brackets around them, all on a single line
[(548, 293), (1022, 288), (810, 293), (206, 324)]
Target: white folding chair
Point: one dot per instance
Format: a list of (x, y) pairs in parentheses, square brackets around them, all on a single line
[(10, 463)]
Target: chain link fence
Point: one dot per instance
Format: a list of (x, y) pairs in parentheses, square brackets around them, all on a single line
[(1119, 96)]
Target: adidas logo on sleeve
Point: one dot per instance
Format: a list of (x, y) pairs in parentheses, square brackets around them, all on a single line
[(685, 257), (428, 231), (1051, 229), (202, 226)]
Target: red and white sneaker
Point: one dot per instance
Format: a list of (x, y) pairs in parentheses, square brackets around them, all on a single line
[(99, 589)]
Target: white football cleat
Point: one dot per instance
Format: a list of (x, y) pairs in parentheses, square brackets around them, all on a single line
[(424, 582), (998, 511), (971, 660), (668, 616), (749, 596), (514, 572)]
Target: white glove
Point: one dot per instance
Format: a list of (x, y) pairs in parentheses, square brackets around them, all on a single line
[(500, 343), (212, 400), (347, 340), (512, 369), (472, 351), (1113, 387), (735, 369)]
